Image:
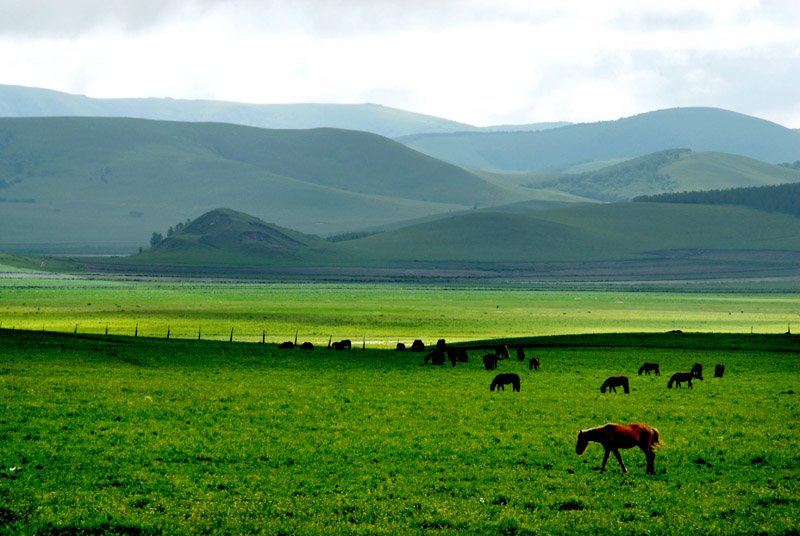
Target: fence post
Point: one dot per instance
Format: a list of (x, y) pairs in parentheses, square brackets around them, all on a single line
[(231, 339), (168, 331)]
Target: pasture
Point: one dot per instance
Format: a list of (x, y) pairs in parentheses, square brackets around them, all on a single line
[(381, 314), (122, 435)]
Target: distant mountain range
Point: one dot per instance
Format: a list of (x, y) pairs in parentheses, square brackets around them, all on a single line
[(19, 101), (562, 149)]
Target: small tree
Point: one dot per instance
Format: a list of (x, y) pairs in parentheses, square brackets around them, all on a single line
[(156, 239)]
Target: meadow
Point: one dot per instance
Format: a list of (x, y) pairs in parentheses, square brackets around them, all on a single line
[(141, 436), (378, 314)]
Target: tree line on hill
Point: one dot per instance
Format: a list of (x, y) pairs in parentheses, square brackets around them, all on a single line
[(784, 198)]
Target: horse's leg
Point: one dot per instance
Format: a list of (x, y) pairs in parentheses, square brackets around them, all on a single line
[(605, 460), (619, 459), (651, 459)]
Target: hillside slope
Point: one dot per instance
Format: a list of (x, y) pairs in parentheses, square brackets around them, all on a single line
[(606, 232), (698, 129), (668, 171), (112, 182), (18, 101)]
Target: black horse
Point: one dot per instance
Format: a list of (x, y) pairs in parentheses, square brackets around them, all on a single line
[(615, 381), (418, 346), (502, 380), (534, 364), (490, 361), (679, 377), (719, 371), (647, 368), (697, 371)]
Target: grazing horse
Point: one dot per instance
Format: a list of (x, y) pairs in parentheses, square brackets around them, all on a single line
[(436, 357), (534, 364), (622, 436), (504, 379), (490, 361), (307, 346), (650, 367), (679, 377), (502, 352), (418, 346), (615, 381), (288, 345), (719, 370), (521, 353), (697, 371), (459, 354)]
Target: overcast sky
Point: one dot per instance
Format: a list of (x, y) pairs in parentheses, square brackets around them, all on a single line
[(476, 61)]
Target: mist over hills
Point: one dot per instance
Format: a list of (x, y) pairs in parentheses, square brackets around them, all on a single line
[(698, 129), (19, 101)]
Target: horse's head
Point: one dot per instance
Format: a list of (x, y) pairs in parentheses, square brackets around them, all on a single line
[(491, 387), (583, 442)]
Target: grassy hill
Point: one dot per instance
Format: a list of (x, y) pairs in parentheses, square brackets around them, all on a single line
[(668, 171), (18, 101), (606, 232), (76, 183), (698, 129), (606, 241)]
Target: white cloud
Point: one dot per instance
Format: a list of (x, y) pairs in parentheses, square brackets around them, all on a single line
[(477, 61)]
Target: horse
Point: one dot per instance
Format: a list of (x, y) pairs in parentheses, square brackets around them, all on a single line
[(697, 371), (650, 367), (615, 381), (534, 364), (459, 354), (679, 377), (441, 344), (418, 346), (401, 347), (504, 379), (622, 436), (719, 370), (307, 346), (436, 357), (521, 353), (502, 352), (490, 361), (288, 345)]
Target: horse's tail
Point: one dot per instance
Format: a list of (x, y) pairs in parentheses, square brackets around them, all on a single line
[(656, 443)]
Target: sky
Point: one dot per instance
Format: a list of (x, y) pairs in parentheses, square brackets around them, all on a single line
[(482, 62)]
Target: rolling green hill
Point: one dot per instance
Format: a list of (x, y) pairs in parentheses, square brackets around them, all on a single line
[(18, 101), (667, 171), (607, 241), (74, 184), (698, 129), (606, 232)]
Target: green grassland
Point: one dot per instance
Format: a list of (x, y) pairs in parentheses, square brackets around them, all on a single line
[(123, 435), (381, 314)]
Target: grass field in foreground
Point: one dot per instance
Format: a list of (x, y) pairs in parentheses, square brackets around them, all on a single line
[(381, 314), (110, 435)]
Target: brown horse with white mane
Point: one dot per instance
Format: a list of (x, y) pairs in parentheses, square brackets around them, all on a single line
[(622, 436)]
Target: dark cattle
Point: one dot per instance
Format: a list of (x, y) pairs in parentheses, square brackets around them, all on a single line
[(401, 347), (501, 380), (534, 364), (418, 346), (521, 353), (288, 345), (647, 368), (697, 371), (615, 436), (306, 346), (679, 377), (615, 381), (490, 361), (719, 371)]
